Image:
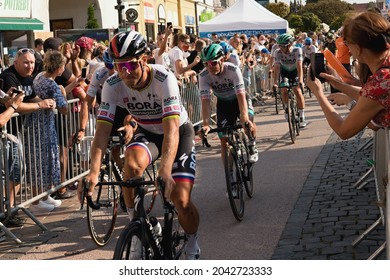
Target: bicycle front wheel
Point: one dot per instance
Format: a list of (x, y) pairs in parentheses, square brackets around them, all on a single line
[(234, 184), (129, 245), (291, 121), (101, 222)]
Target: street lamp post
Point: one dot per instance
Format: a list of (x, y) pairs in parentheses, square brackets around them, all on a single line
[(120, 8)]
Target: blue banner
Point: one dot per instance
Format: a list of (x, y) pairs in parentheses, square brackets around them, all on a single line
[(229, 34)]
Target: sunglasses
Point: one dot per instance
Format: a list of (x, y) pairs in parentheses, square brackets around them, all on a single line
[(26, 50), (283, 46), (128, 65), (212, 63)]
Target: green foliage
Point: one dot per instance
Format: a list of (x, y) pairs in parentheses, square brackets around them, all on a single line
[(280, 9), (92, 22), (327, 10), (310, 22), (295, 22)]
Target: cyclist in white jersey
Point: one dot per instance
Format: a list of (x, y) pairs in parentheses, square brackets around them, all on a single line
[(307, 50), (229, 55), (288, 64), (161, 128), (226, 82), (94, 95)]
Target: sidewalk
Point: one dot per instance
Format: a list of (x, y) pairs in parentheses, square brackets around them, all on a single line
[(330, 212)]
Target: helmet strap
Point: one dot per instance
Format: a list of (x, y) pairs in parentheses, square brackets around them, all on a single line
[(139, 80)]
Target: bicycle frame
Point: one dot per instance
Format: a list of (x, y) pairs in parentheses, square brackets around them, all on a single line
[(161, 249)]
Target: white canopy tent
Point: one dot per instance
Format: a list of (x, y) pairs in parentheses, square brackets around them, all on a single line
[(244, 17)]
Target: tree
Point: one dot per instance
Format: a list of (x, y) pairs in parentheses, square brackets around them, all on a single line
[(91, 20), (310, 22), (295, 21), (327, 10), (280, 9)]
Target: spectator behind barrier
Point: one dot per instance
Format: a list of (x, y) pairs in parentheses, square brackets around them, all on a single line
[(367, 36), (19, 76), (46, 151)]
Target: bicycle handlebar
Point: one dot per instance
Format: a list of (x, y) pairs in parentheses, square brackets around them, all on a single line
[(229, 128), (132, 183)]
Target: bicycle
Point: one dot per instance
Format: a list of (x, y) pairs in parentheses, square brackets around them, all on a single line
[(308, 91), (238, 169), (139, 240), (292, 114), (102, 206)]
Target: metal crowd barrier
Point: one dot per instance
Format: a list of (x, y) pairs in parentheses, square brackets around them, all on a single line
[(258, 81), (190, 95), (23, 134), (380, 168)]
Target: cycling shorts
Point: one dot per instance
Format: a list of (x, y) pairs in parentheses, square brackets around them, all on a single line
[(291, 76), (185, 162), (228, 112)]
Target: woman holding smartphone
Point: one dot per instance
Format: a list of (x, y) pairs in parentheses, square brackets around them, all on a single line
[(368, 37)]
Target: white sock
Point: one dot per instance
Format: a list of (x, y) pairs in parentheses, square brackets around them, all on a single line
[(301, 113), (192, 242), (130, 213)]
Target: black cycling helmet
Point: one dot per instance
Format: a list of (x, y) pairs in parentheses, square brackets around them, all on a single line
[(127, 44), (285, 39), (212, 52)]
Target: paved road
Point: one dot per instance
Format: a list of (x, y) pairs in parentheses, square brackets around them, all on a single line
[(281, 176)]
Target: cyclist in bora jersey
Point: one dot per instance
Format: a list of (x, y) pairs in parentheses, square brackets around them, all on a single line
[(226, 82), (162, 128), (288, 64)]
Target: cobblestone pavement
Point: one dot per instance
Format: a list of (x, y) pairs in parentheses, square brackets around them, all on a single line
[(331, 212)]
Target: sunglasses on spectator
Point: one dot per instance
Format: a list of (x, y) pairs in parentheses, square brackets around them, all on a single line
[(128, 65), (26, 50), (213, 63)]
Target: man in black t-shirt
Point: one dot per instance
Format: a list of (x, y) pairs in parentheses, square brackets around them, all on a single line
[(19, 76)]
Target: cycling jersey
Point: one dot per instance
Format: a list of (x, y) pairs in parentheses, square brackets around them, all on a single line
[(307, 51), (149, 106), (288, 61), (98, 78), (235, 59), (225, 86)]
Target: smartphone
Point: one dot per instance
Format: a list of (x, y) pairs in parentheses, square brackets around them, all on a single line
[(317, 61), (169, 24), (1, 84), (84, 72)]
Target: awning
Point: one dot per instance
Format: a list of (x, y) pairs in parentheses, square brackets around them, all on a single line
[(20, 24)]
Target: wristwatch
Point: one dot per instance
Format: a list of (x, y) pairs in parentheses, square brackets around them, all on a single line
[(351, 104)]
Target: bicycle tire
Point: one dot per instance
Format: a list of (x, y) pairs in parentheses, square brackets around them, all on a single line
[(125, 250), (248, 167), (101, 221), (234, 185), (291, 121), (297, 122), (276, 95)]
